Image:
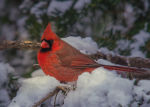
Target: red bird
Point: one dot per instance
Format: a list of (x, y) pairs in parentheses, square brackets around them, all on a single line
[(62, 61)]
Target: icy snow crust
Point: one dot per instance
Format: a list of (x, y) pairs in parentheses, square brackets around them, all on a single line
[(101, 88)]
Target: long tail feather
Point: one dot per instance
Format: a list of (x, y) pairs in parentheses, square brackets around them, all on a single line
[(125, 69), (111, 67)]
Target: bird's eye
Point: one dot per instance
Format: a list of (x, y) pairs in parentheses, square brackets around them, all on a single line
[(50, 42)]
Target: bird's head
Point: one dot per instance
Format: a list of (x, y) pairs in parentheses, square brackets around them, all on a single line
[(49, 41)]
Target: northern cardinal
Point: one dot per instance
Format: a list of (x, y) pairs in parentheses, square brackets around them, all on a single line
[(62, 61)]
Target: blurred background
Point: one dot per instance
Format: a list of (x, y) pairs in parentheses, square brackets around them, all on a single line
[(121, 26)]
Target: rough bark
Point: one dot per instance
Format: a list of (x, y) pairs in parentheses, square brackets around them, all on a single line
[(19, 45), (122, 60)]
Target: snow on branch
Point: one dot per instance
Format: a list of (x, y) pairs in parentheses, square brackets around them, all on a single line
[(122, 60)]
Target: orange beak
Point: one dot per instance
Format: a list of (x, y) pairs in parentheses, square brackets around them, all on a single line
[(44, 44)]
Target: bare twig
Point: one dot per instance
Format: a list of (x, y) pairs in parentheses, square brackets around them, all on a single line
[(51, 94), (47, 97), (55, 99)]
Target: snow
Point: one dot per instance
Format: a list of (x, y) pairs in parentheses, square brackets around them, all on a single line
[(26, 4), (101, 88), (105, 62), (33, 90), (97, 90), (24, 60), (38, 72), (5, 69), (106, 51), (13, 14), (80, 4), (58, 5), (36, 9), (2, 6), (2, 2), (140, 40), (21, 29), (65, 5), (85, 45), (129, 15), (123, 44), (146, 4), (4, 98)]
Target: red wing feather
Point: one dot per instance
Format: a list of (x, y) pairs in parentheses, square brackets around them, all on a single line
[(82, 63)]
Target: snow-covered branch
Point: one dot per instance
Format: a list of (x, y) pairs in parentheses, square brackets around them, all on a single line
[(122, 60)]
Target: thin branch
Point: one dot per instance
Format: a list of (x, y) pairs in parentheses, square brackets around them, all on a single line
[(51, 94), (19, 45), (55, 99)]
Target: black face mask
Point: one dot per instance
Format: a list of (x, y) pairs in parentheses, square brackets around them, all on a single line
[(50, 43)]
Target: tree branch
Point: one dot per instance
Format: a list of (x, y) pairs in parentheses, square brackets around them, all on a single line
[(122, 60), (51, 94), (19, 45)]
